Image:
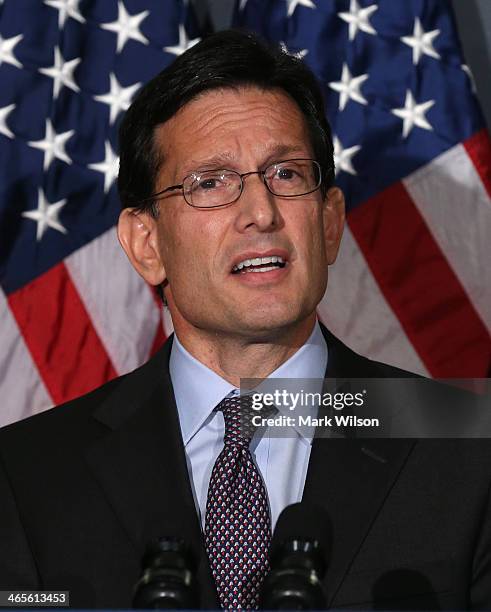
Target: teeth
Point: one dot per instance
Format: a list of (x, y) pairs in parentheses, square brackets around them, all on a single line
[(253, 270), (257, 261)]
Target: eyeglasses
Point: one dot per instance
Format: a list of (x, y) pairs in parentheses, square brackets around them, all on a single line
[(290, 178)]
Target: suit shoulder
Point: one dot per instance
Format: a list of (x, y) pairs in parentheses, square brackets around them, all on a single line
[(345, 362), (75, 415), (378, 369), (62, 418)]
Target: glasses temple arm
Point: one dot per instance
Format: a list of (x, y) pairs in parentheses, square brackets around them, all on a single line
[(159, 193)]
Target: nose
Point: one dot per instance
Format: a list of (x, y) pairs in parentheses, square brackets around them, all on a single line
[(257, 207)]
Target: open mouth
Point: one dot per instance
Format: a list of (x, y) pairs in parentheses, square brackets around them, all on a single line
[(259, 265)]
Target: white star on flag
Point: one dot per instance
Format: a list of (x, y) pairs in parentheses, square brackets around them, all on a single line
[(53, 145), (118, 98), (292, 5), (413, 114), (421, 42), (62, 73), (359, 19), (342, 157), (349, 87), (298, 54), (109, 167), (66, 8), (127, 26), (184, 43), (7, 50), (46, 215), (4, 113)]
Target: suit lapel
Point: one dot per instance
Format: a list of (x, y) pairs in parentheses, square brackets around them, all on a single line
[(350, 477), (140, 464)]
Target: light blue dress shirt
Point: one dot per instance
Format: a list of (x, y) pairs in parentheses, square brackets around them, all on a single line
[(282, 462)]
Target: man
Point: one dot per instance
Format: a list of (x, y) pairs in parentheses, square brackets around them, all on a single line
[(226, 180)]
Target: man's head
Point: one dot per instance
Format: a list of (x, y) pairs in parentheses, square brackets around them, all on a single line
[(231, 103)]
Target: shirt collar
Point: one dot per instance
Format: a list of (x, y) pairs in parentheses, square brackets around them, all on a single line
[(198, 389)]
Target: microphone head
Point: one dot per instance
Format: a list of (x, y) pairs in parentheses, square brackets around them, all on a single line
[(169, 550), (303, 530), (168, 576), (300, 553)]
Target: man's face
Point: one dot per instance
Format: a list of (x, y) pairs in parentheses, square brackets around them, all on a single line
[(242, 130)]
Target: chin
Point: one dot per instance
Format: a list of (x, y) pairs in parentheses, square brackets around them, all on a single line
[(265, 321)]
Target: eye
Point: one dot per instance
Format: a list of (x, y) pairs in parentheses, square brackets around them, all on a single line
[(285, 173), (288, 172), (209, 183)]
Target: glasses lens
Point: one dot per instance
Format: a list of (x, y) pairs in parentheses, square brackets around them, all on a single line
[(294, 177), (212, 188)]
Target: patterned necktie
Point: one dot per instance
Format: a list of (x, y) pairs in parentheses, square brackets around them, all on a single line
[(237, 525)]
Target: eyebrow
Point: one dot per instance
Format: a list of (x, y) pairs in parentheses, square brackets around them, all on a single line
[(223, 159), (214, 161)]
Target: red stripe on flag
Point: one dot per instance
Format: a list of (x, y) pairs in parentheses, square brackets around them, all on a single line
[(156, 296), (59, 333), (420, 286), (478, 148), (160, 336)]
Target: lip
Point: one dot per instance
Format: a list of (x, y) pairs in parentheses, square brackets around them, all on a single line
[(258, 279), (253, 254)]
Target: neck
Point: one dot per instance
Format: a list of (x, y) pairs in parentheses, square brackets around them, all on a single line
[(235, 357)]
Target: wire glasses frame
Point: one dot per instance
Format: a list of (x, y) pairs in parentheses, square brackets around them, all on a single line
[(290, 178)]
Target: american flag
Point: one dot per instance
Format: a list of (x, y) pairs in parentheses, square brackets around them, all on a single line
[(412, 285), (73, 313)]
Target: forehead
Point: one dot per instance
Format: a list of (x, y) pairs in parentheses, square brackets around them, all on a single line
[(233, 124)]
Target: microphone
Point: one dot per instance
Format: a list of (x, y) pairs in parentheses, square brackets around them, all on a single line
[(300, 553), (167, 580)]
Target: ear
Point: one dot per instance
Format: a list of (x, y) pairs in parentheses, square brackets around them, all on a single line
[(334, 217), (137, 233)]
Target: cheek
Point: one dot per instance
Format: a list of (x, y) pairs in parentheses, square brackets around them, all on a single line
[(187, 248), (173, 247), (308, 234)]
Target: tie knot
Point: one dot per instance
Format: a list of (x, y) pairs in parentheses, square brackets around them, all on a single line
[(238, 413)]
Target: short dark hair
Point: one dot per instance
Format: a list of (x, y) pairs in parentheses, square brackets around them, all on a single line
[(227, 59)]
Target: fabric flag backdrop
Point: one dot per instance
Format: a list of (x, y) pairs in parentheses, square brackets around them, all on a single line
[(412, 285), (72, 312)]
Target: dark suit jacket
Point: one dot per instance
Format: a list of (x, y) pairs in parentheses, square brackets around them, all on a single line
[(85, 486)]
